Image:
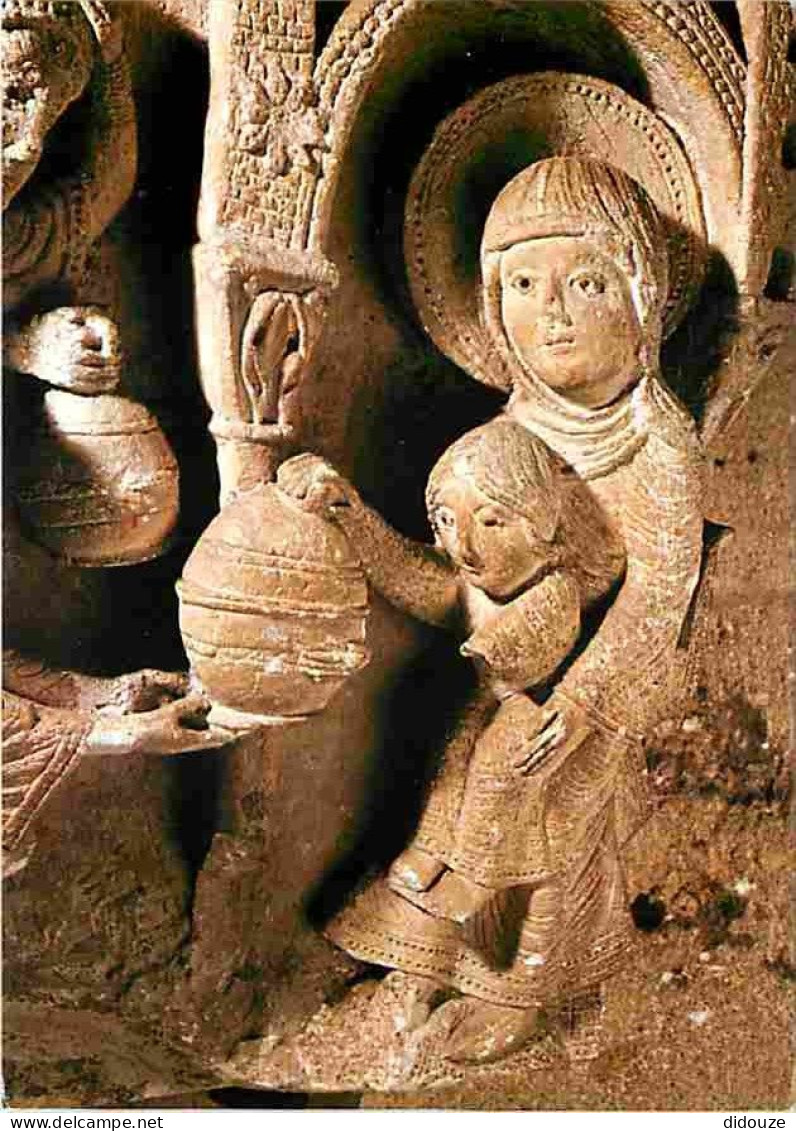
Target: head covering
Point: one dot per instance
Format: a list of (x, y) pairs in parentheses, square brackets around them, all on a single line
[(572, 196)]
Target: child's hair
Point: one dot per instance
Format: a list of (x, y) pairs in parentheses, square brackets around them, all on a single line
[(511, 467)]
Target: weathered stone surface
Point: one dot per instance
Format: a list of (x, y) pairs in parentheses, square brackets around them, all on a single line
[(168, 884)]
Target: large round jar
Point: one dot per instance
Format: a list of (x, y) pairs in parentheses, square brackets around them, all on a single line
[(100, 486), (273, 605)]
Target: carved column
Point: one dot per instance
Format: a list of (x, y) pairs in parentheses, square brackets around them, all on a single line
[(261, 297), (770, 105)]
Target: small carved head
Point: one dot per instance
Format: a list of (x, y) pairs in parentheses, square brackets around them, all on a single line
[(574, 263), (46, 55), (494, 503)]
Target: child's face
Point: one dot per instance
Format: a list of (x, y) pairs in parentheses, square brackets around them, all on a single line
[(492, 547), (568, 313)]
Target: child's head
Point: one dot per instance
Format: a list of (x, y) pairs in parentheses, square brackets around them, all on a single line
[(574, 263), (495, 506)]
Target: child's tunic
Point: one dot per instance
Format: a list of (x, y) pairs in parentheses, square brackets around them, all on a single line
[(640, 460)]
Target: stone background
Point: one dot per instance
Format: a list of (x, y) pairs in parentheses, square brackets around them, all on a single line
[(163, 917)]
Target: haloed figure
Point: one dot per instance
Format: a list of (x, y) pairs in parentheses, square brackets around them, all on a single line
[(512, 893), (520, 553)]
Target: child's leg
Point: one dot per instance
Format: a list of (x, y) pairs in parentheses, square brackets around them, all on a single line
[(422, 862), (499, 837)]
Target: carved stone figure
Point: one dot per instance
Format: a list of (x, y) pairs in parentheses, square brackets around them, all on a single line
[(96, 483), (501, 777), (72, 497), (521, 848)]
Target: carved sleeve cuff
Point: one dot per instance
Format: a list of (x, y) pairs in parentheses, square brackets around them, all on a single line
[(530, 639)]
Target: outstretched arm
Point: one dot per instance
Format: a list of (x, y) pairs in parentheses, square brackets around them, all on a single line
[(106, 183), (38, 682), (413, 576)]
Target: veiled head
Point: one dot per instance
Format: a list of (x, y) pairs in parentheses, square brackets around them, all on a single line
[(574, 263)]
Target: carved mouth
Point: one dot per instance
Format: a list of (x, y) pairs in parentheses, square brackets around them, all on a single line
[(559, 344)]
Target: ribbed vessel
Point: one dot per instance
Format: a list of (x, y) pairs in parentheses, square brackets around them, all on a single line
[(100, 486), (273, 605)]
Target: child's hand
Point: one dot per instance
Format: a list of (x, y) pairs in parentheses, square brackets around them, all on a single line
[(315, 485), (515, 723)]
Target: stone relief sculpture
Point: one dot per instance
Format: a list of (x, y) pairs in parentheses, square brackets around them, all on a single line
[(74, 496), (588, 210), (529, 825), (97, 482)]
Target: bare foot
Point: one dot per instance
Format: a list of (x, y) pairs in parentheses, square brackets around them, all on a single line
[(483, 1032)]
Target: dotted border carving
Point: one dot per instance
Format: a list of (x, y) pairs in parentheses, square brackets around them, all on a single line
[(461, 337)]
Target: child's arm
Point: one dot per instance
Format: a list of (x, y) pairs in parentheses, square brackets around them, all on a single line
[(413, 576), (531, 637)]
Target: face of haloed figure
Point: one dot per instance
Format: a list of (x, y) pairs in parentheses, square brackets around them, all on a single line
[(43, 71), (568, 313)]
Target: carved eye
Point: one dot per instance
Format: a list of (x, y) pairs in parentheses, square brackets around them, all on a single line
[(589, 285), (490, 518), (523, 283)]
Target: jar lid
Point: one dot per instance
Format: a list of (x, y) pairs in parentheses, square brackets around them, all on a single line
[(104, 415)]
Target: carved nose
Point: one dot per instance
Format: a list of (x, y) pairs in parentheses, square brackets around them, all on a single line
[(555, 308), (464, 547)]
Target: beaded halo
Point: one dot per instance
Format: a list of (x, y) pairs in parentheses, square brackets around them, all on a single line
[(483, 144)]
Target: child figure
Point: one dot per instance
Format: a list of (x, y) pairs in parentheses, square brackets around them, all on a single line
[(512, 536)]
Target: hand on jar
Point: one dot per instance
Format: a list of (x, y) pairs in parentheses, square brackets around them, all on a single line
[(74, 348), (315, 485)]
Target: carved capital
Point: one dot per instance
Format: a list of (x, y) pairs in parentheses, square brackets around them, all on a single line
[(262, 317)]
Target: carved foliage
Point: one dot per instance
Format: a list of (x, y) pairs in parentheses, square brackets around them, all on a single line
[(276, 347), (281, 122)]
